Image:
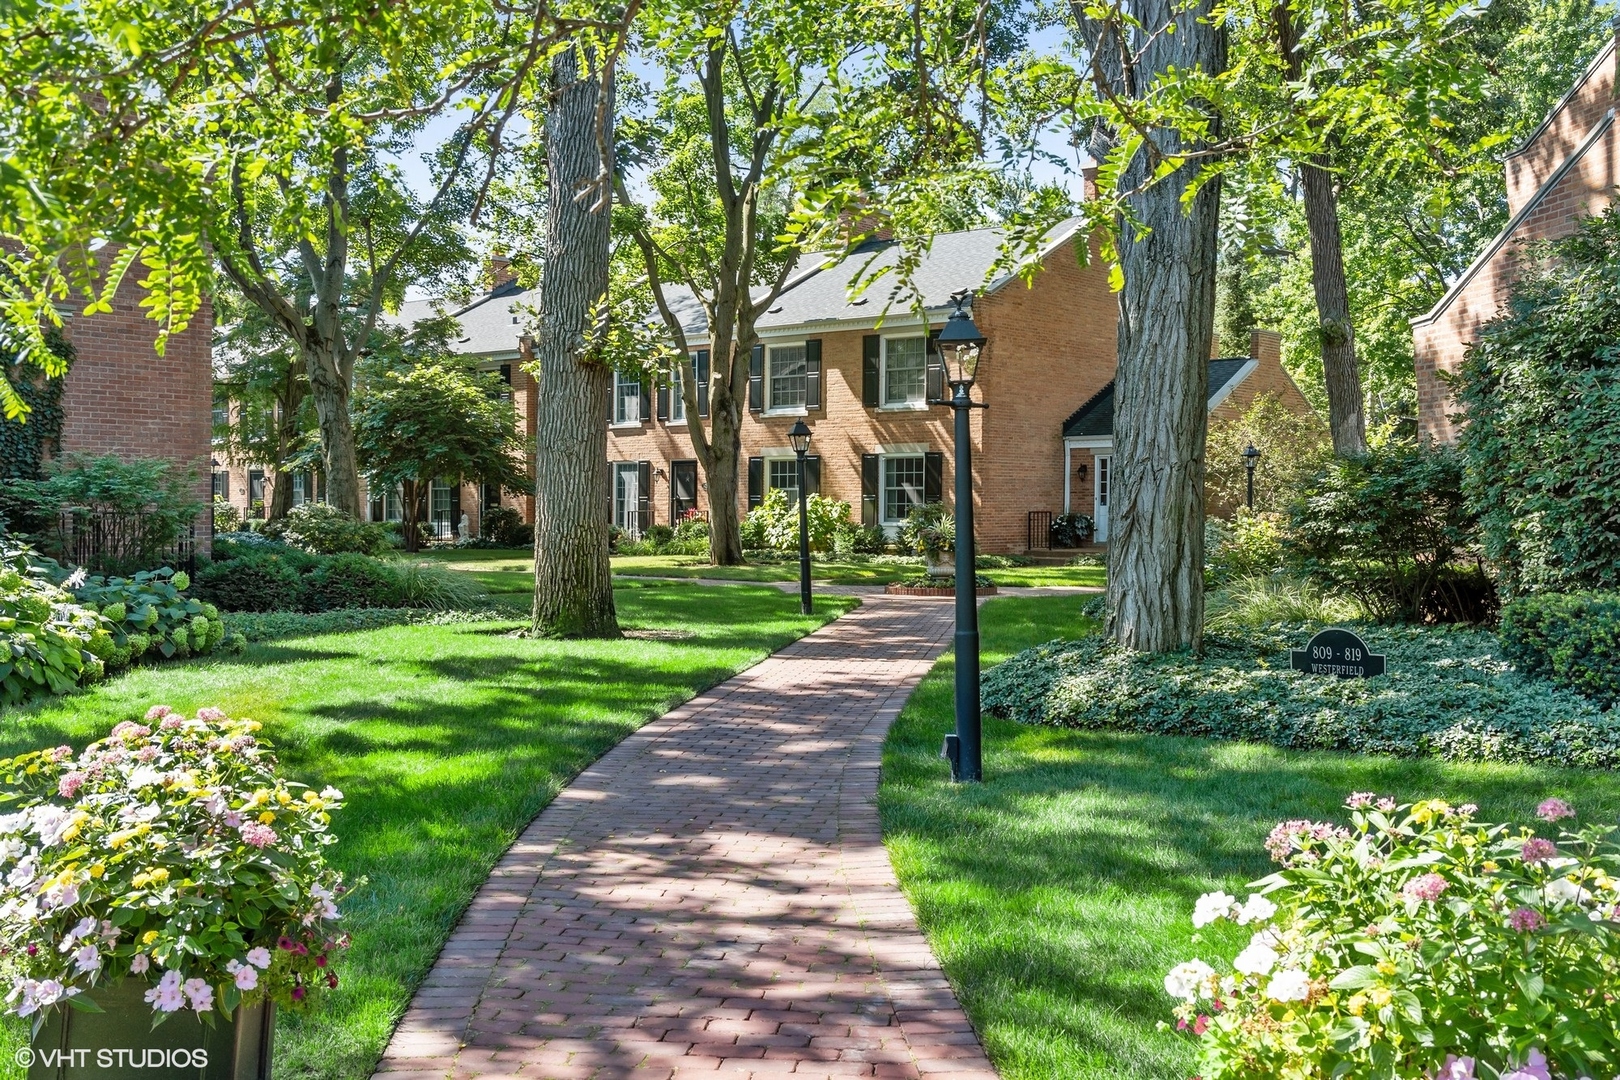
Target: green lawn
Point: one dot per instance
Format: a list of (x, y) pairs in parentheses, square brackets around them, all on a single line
[(1057, 894), (511, 571), (447, 740)]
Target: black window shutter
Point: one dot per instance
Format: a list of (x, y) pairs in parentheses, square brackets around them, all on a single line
[(455, 505), (663, 399), (933, 477), (871, 353), (756, 379), (702, 366), (812, 474), (869, 489), (613, 398), (812, 365), (644, 493), (935, 390), (646, 399), (756, 481)]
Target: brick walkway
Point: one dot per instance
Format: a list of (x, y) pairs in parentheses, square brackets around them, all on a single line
[(712, 898)]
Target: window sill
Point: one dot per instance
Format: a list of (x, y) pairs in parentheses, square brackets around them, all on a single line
[(628, 425), (914, 406), (675, 423), (796, 411)]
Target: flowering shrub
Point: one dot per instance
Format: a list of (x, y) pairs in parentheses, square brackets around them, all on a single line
[(149, 615), (48, 643), (774, 523), (170, 852), (1419, 942)]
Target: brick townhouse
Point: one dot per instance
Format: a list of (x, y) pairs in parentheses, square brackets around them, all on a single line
[(862, 380), (122, 398), (1565, 170)]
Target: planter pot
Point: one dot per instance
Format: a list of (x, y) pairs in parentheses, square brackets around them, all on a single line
[(121, 1044), (940, 563)]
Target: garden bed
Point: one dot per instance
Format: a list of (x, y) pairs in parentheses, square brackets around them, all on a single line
[(1448, 693), (937, 586)]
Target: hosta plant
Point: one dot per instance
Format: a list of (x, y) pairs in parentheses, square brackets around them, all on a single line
[(1417, 943), (170, 852)]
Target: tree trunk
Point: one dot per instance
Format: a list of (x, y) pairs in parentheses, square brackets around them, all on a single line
[(330, 392), (720, 470), (573, 578), (411, 512), (1167, 311), (290, 398), (1346, 419)]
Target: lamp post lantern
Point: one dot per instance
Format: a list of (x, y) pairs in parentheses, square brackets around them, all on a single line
[(799, 439), (1251, 458), (961, 347)]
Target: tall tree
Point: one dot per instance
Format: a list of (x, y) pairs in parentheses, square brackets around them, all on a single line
[(1166, 236), (262, 377), (573, 580)]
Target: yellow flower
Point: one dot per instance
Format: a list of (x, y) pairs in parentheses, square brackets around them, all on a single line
[(1357, 1004), (283, 798), (1386, 967), (97, 869), (1491, 867), (311, 797), (1380, 996), (149, 937), (267, 818), (150, 877), (32, 769)]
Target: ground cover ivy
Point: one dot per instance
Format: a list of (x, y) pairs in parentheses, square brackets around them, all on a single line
[(1448, 693)]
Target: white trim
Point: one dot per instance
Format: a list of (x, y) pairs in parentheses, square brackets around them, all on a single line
[(883, 485), (619, 379), (1068, 471), (1232, 384), (1496, 245), (900, 449), (765, 379), (1089, 442), (909, 405), (1064, 231), (912, 406), (1591, 69), (788, 334)]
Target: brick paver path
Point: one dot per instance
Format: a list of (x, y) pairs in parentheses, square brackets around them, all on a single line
[(712, 897)]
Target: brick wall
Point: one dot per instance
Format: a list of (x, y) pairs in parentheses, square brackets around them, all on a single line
[(1564, 130), (1052, 345), (122, 398), (1441, 338)]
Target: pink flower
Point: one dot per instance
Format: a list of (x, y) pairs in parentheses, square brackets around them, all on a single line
[(1526, 920), (260, 836), (139, 963), (259, 957), (210, 714), (1537, 850), (1360, 799), (1427, 887), (171, 722), (200, 993), (1289, 835), (156, 712), (1535, 1068), (246, 976), (1386, 804), (62, 753), (128, 729), (1554, 810), (286, 944), (1456, 1068), (70, 784), (332, 980), (232, 819), (298, 993)]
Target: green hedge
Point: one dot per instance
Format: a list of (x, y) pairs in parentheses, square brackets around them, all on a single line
[(266, 576), (1571, 638), (1448, 693)]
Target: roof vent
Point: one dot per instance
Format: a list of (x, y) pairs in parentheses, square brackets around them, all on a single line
[(774, 310)]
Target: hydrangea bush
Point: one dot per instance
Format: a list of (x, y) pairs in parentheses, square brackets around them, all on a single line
[(1417, 943), (169, 852)]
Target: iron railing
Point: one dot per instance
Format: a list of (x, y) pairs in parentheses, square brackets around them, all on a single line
[(1039, 531), (108, 542)]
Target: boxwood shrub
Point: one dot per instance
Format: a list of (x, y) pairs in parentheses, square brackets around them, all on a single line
[(1571, 638), (1448, 693), (352, 581), (256, 581)]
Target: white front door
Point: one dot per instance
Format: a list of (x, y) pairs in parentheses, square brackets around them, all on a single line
[(1100, 498), (627, 497)]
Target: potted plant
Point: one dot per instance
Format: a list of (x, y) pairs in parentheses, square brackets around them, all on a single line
[(1071, 530), (930, 531), (162, 892)]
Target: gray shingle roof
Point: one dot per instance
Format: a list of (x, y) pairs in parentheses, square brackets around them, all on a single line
[(959, 260), (1096, 417)]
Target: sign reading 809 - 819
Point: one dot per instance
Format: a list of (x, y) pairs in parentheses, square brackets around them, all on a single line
[(1337, 652)]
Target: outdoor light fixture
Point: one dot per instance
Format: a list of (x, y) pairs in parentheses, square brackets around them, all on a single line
[(1251, 458), (961, 348), (1082, 470), (799, 439)]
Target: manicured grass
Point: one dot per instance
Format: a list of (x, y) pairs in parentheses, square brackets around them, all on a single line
[(510, 571), (1057, 894), (447, 741)]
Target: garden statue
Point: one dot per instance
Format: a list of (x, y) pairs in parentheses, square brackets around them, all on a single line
[(464, 528)]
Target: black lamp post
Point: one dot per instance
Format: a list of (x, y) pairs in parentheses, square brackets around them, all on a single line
[(961, 347), (799, 439), (1251, 458)]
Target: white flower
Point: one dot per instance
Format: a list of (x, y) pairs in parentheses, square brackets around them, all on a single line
[(12, 824), (23, 874), (331, 794), (259, 958), (49, 992), (1256, 910), (167, 996), (86, 960), (1212, 906), (86, 927), (1563, 891), (1187, 981), (59, 896), (143, 776), (12, 848), (139, 963), (76, 579), (247, 976), (51, 822), (328, 910), (1289, 986), (1257, 959)]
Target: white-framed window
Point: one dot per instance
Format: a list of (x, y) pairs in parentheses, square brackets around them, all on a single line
[(300, 494), (787, 377), (442, 507), (783, 474), (626, 399), (903, 477), (905, 371), (677, 392), (627, 496)]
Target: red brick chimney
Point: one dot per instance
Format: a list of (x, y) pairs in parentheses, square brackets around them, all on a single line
[(498, 270), (1265, 346)]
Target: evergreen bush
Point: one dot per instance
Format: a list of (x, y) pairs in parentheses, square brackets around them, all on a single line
[(1571, 638)]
